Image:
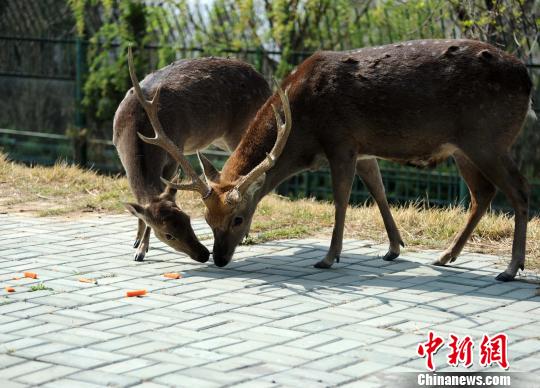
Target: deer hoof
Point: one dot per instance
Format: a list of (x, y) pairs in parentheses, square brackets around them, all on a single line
[(390, 256), (139, 256), (504, 277), (136, 243), (446, 258), (322, 265)]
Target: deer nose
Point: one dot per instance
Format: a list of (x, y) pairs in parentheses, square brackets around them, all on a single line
[(221, 262), (202, 256)]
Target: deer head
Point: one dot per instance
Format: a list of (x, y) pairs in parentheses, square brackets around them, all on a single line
[(170, 224), (230, 204)]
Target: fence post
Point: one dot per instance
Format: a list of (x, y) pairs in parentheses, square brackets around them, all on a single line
[(259, 61), (80, 143), (463, 193)]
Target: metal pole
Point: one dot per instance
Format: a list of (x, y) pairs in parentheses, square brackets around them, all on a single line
[(80, 144), (463, 193)]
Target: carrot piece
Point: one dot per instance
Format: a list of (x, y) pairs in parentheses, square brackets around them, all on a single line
[(136, 293), (10, 289), (85, 280), (30, 275), (172, 275)]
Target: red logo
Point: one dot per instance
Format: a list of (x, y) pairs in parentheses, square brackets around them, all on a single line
[(461, 351), (429, 348), (492, 350)]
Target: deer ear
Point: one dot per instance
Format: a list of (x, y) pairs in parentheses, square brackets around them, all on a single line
[(135, 209), (210, 172), (256, 185)]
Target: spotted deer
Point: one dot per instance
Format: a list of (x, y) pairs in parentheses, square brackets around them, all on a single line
[(201, 102), (416, 102)]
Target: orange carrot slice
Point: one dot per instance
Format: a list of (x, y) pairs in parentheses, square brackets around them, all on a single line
[(10, 289), (30, 275), (85, 280), (135, 293), (172, 275)]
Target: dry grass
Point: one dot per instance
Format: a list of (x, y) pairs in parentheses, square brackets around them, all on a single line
[(68, 190)]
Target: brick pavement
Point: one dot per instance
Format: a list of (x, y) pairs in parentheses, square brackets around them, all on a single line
[(268, 319)]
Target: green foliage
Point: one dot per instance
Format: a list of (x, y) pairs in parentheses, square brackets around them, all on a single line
[(124, 23), (40, 287), (280, 33)]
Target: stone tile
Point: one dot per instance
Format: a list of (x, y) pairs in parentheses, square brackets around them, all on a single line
[(104, 378), (268, 319), (43, 376)]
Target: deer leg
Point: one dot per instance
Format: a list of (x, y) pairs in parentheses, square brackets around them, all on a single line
[(482, 192), (368, 171), (143, 246), (342, 178), (140, 230), (501, 171)]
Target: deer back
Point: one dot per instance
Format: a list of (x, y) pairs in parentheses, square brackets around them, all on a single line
[(203, 100)]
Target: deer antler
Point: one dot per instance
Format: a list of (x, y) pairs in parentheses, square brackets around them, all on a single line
[(283, 131), (162, 140)]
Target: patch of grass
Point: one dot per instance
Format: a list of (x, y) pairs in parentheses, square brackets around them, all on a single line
[(280, 233), (58, 190), (67, 190), (40, 287)]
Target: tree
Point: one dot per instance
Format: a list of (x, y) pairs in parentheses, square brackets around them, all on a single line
[(276, 35)]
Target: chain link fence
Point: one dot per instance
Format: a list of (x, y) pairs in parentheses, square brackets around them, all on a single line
[(40, 123)]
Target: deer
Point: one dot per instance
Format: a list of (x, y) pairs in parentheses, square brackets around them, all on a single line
[(417, 103), (202, 101)]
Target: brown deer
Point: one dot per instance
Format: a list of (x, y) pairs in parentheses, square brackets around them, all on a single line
[(201, 101), (415, 102)]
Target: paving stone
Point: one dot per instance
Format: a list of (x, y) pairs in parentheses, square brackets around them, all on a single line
[(268, 319), (19, 344), (73, 360), (19, 324), (104, 378), (145, 348), (45, 375), (243, 347), (69, 383), (11, 384), (7, 360), (34, 352), (362, 369), (152, 371), (35, 331), (178, 380), (338, 347), (118, 343), (126, 365), (24, 368), (150, 385)]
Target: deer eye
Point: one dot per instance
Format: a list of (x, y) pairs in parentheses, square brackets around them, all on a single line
[(237, 221), (169, 237)]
